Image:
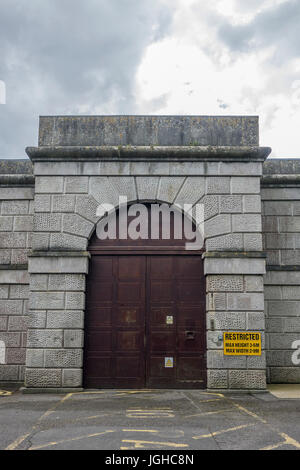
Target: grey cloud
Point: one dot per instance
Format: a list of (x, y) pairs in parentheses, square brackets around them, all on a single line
[(276, 26), (61, 56)]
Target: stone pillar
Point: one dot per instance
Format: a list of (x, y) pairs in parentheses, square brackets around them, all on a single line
[(56, 320), (235, 302)]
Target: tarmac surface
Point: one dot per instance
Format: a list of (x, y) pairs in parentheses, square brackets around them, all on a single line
[(173, 420)]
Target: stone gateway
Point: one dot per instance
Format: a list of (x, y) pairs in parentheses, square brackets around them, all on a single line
[(80, 311)]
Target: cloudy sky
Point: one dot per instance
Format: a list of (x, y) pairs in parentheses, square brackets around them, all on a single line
[(218, 57)]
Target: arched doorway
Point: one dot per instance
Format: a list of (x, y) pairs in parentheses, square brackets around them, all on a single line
[(145, 313)]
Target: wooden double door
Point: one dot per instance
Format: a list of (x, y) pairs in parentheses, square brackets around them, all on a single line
[(145, 322)]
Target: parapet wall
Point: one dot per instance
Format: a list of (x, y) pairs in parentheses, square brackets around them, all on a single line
[(16, 225), (281, 237)]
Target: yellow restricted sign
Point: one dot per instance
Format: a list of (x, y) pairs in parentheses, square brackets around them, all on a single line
[(246, 343)]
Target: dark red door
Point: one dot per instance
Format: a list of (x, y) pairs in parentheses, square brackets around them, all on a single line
[(145, 322), (175, 322)]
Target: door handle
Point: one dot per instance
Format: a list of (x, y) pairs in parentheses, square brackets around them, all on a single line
[(190, 335)]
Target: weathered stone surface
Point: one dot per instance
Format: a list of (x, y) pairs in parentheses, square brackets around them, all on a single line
[(169, 188), (191, 192), (219, 225), (252, 203), (62, 319), (47, 300), (247, 379), (77, 184), (224, 321), (242, 185), (246, 223), (217, 379), (45, 338), (77, 225), (148, 130), (63, 203), (234, 266), (245, 301), (63, 358), (225, 283), (58, 264), (230, 242), (73, 338), (65, 242), (72, 378), (49, 184), (43, 378), (67, 282), (230, 204)]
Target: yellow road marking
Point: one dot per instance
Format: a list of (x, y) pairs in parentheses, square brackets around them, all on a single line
[(142, 444), (21, 439), (207, 413), (287, 439), (223, 431), (5, 393), (49, 444), (141, 430)]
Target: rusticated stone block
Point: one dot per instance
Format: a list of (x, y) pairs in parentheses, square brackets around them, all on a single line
[(43, 378), (66, 358), (245, 301), (47, 300), (217, 360), (75, 300), (65, 319), (218, 185), (77, 225), (246, 223), (72, 378), (230, 204), (86, 206), (285, 375), (254, 283), (15, 355), (224, 321), (217, 379), (230, 242), (168, 188), (49, 184), (252, 203), (247, 379), (35, 357), (244, 184), (42, 203), (219, 225), (77, 184), (45, 339), (9, 373), (224, 283), (191, 192), (37, 319), (63, 241), (15, 207), (73, 338), (63, 203), (67, 282)]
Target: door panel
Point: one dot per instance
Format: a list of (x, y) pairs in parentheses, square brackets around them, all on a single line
[(115, 323), (175, 325)]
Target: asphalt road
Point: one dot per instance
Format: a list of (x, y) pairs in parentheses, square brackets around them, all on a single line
[(149, 419)]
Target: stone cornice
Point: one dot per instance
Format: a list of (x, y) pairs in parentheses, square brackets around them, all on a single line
[(16, 180), (146, 153), (280, 180)]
